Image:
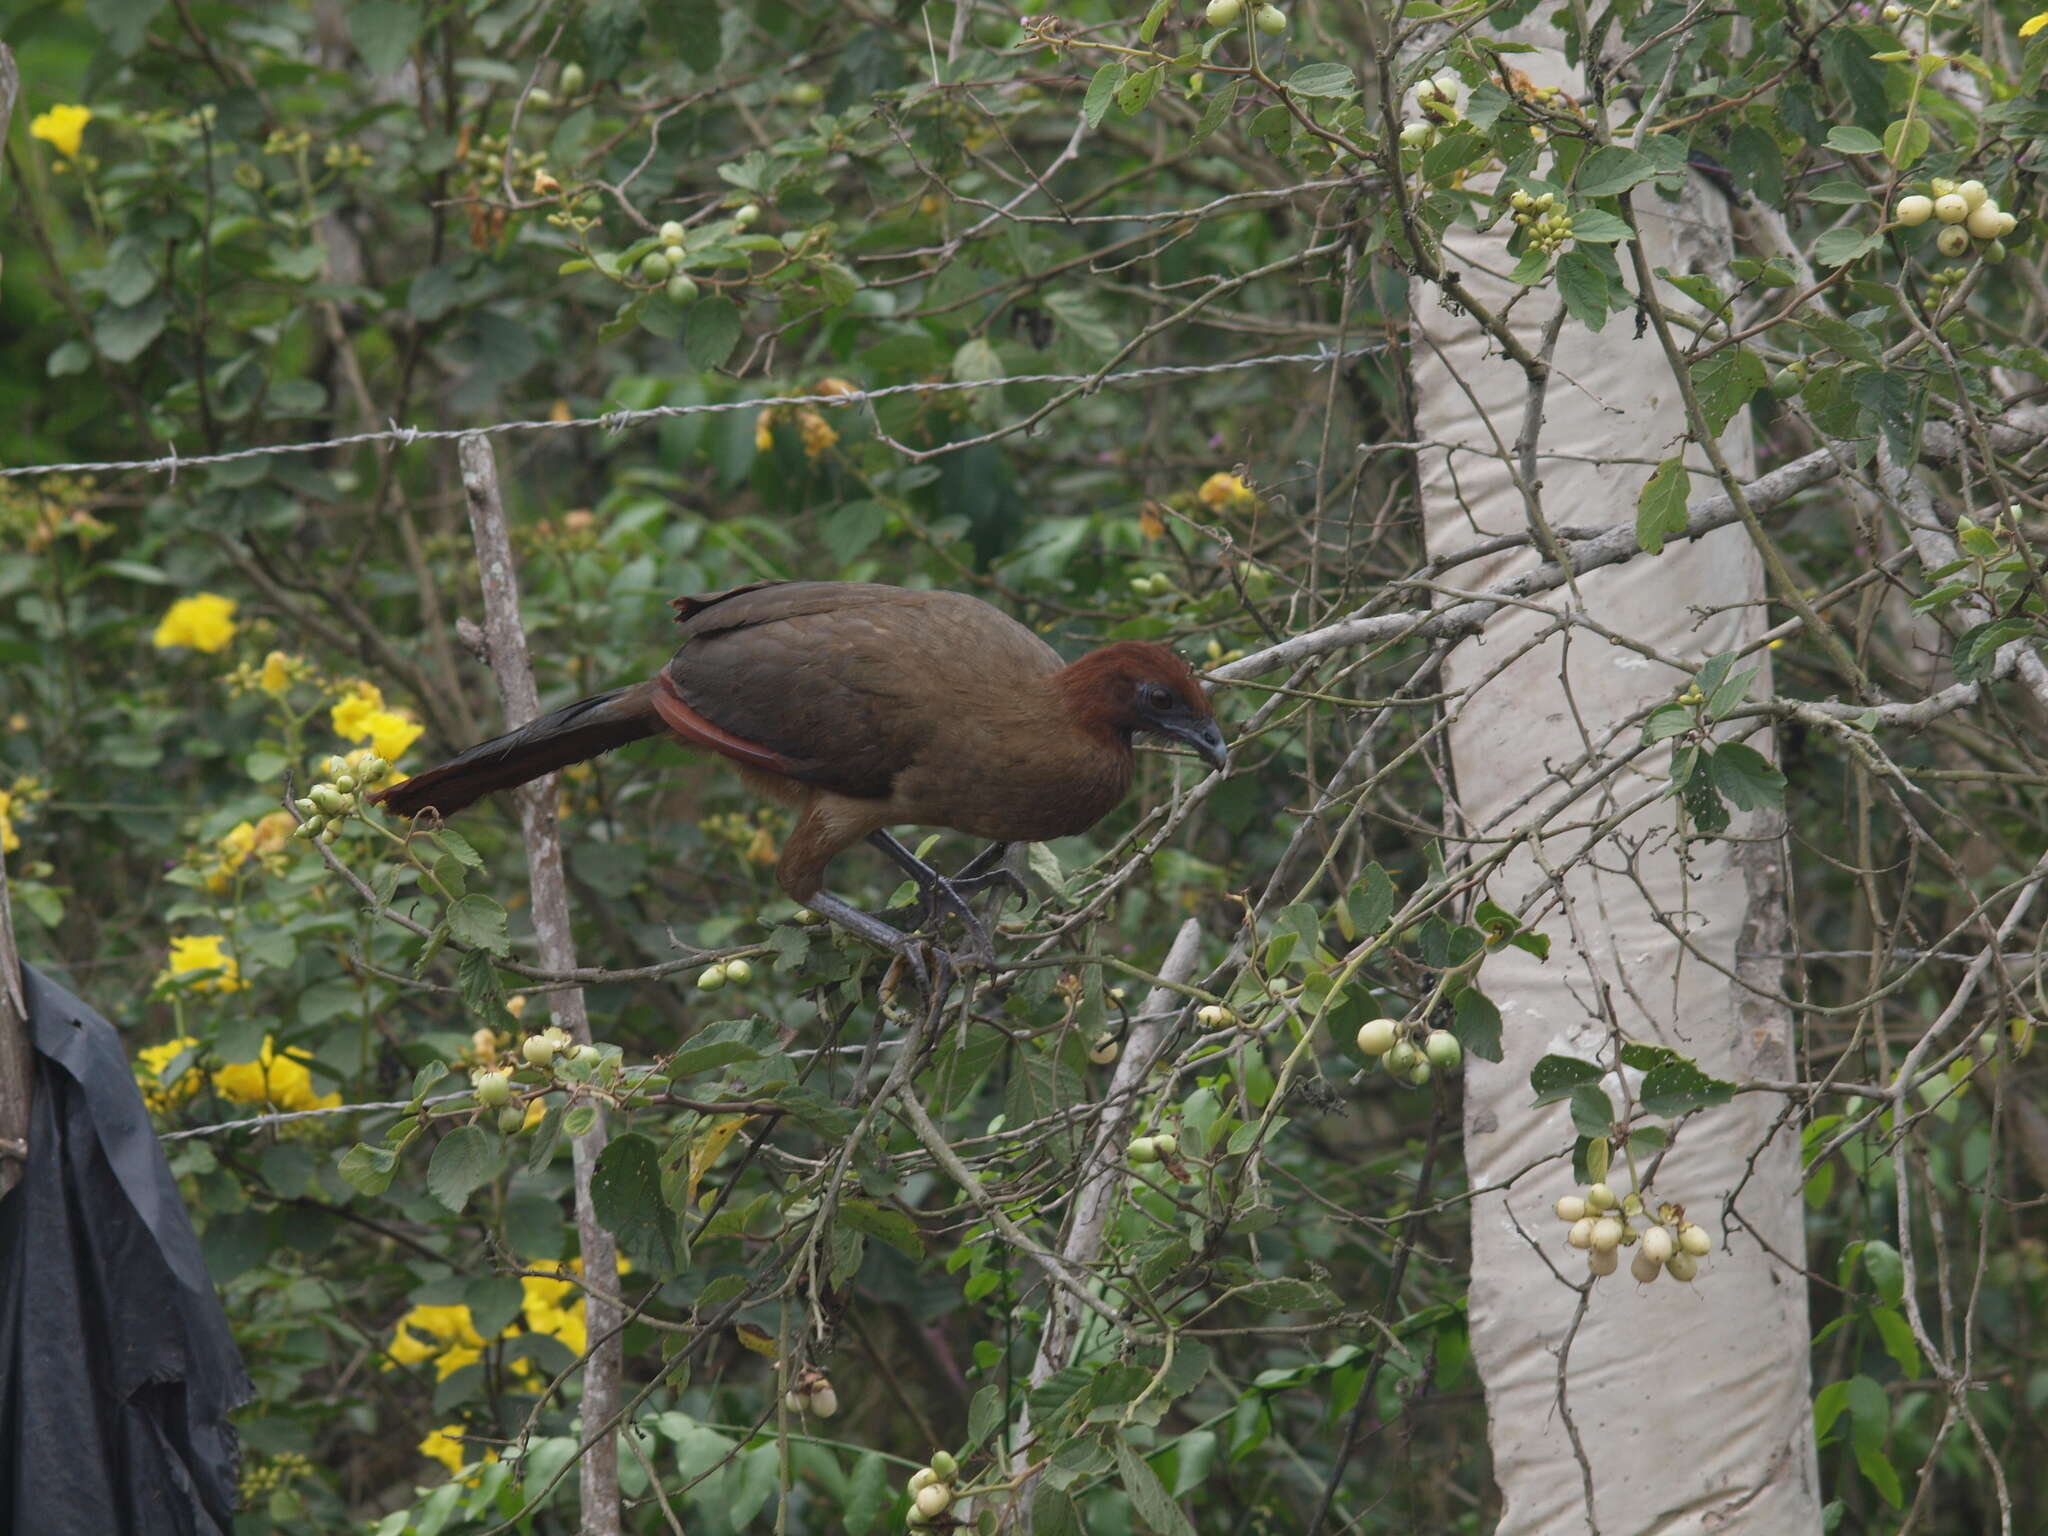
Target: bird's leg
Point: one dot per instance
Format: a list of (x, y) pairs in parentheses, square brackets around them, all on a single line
[(939, 892), (986, 871), (867, 926)]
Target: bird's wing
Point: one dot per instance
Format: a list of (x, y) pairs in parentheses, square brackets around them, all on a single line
[(840, 684)]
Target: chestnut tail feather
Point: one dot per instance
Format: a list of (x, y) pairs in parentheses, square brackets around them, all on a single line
[(575, 733)]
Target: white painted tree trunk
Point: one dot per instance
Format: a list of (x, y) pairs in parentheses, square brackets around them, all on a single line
[(1690, 1401)]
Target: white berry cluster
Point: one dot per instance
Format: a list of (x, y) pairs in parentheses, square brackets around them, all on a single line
[(1410, 1053), (1269, 19), (1603, 1225), (712, 977), (1435, 99), (812, 1394), (931, 1489), (1154, 1149), (1966, 212), (1547, 229), (332, 801)]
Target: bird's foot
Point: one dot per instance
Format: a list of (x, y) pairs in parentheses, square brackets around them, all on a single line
[(907, 947), (940, 895)]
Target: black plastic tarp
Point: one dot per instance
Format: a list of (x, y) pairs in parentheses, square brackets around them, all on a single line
[(117, 1369)]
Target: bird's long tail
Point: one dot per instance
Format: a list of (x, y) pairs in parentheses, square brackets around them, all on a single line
[(574, 733)]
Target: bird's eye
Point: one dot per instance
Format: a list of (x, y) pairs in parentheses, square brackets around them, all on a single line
[(1157, 697)]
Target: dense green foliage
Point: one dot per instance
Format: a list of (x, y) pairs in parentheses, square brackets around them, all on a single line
[(289, 224)]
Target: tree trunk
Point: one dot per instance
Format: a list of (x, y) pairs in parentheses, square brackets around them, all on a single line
[(1688, 1403)]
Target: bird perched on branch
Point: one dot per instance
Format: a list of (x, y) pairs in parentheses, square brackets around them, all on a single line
[(867, 707)]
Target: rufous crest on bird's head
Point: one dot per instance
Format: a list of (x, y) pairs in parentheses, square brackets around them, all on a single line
[(1134, 685)]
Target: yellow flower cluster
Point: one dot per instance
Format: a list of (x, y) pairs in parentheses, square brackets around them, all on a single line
[(361, 716), (1221, 491), (10, 840), (204, 621), (265, 840), (62, 128), (274, 1080), (447, 1335), (445, 1447), (204, 955)]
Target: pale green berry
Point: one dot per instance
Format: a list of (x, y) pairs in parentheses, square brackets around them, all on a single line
[(1104, 1050), (1223, 13), (1914, 211), (1986, 221), (944, 1465), (654, 267), (1659, 1244), (1377, 1037), (1694, 1240), (1401, 1059), (1418, 1076), (1601, 1198), (932, 1500), (1682, 1266), (538, 1050), (1644, 1268), (571, 80), (1581, 1234), (1606, 1234), (512, 1119), (1570, 1208), (493, 1089), (1270, 19), (739, 972), (748, 214), (711, 978), (920, 1480), (1143, 1151), (1974, 193), (1953, 241), (671, 233), (1951, 208), (1166, 1144), (1443, 1050), (1604, 1261), (824, 1401)]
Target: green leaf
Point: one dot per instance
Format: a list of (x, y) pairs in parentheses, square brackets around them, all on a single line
[(1476, 1022), (625, 1195), (1371, 900), (1595, 226), (1610, 170), (1134, 93), (1854, 141), (1746, 778), (1322, 80), (1666, 720), (453, 842), (1214, 114), (1584, 288), (1702, 802), (479, 922), (1149, 28), (1724, 384), (718, 1045), (384, 32), (1284, 1294), (1679, 1086), (868, 1495), (1101, 92), (122, 335), (749, 1482), (1148, 1495), (1906, 140), (1660, 508), (1976, 652), (711, 329), (368, 1169), (1592, 1111), (465, 1160), (886, 1223), (1839, 247), (1554, 1077), (976, 361), (1886, 1269), (1899, 1342)]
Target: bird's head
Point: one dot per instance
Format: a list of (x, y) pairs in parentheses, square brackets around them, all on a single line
[(1134, 686)]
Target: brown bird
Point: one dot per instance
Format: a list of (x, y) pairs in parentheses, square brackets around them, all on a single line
[(867, 707)]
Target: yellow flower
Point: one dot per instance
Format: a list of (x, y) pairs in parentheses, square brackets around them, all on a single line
[(351, 717), (1221, 490), (361, 716), (9, 840), (277, 674), (391, 734), (818, 434), (273, 832), (764, 431), (281, 1081), (62, 127), (445, 1335), (2034, 23), (203, 953), (153, 1060), (445, 1446), (205, 622)]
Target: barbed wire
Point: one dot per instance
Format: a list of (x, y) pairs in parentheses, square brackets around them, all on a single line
[(618, 421)]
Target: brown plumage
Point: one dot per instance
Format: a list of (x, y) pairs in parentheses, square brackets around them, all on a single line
[(866, 707)]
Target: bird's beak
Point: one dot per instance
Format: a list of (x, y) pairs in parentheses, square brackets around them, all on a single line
[(1206, 737)]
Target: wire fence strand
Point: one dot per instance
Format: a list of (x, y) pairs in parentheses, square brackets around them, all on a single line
[(618, 421)]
